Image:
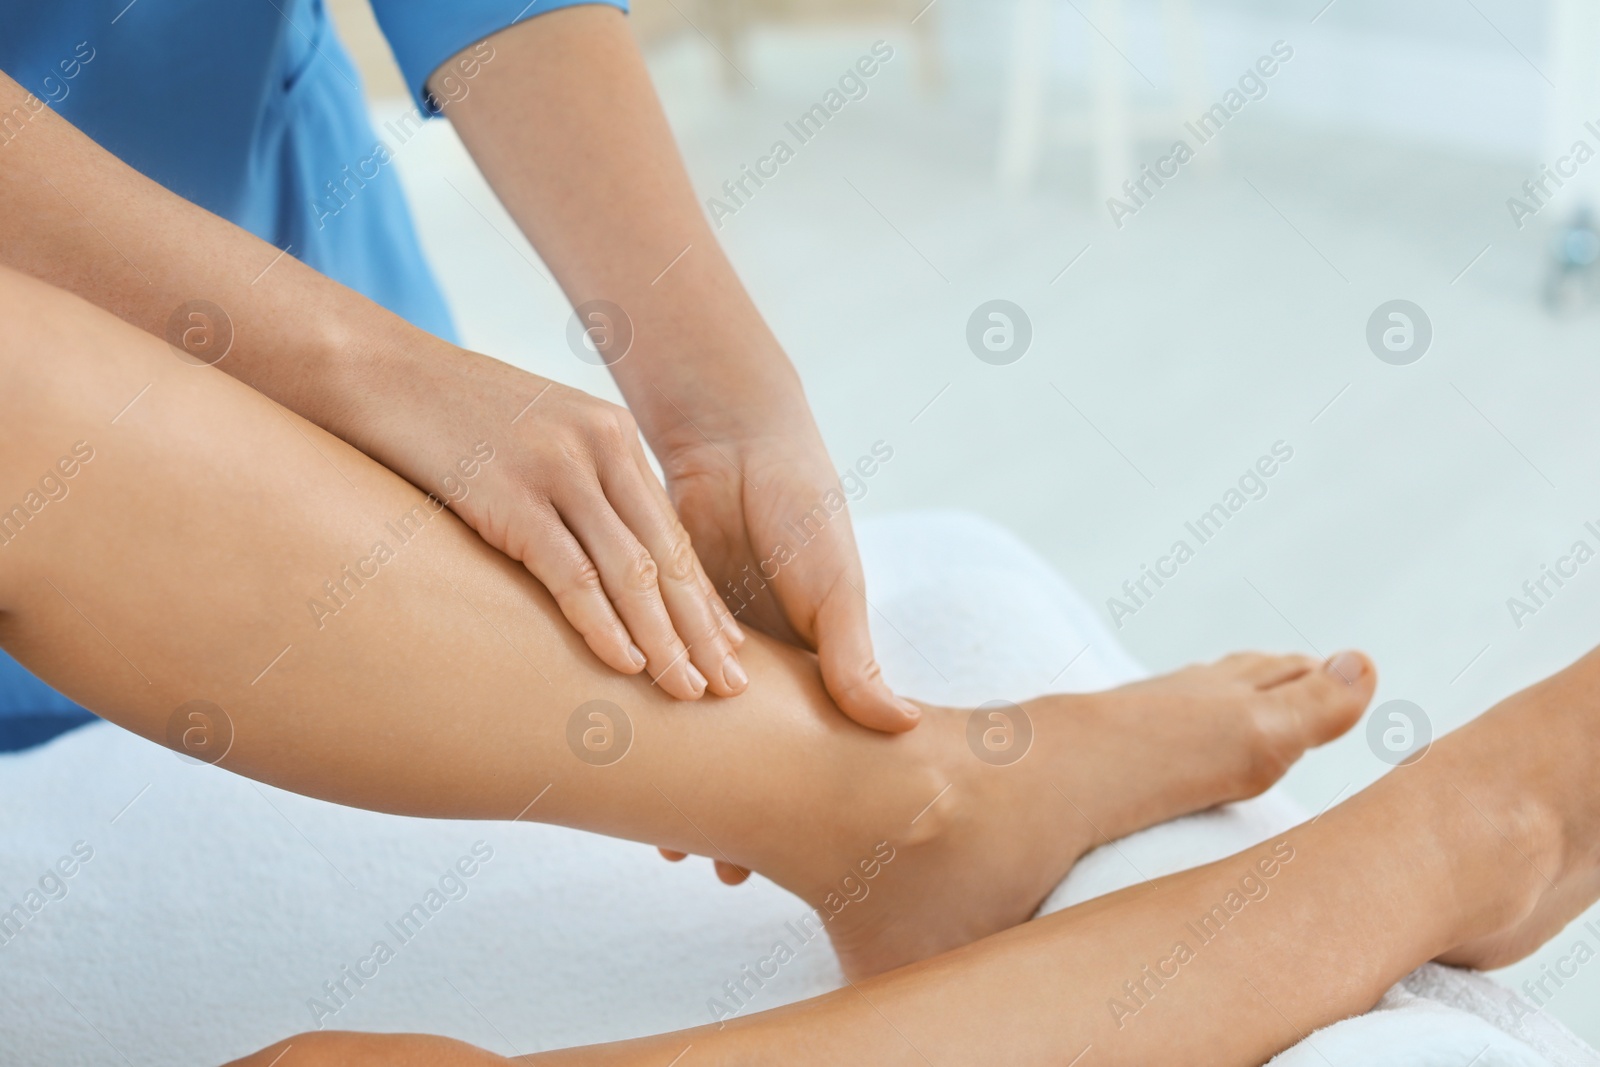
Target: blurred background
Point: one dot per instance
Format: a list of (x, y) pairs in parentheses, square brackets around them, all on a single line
[(1228, 312)]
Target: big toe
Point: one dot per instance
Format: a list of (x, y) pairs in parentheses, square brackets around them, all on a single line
[(1329, 700), (1265, 670)]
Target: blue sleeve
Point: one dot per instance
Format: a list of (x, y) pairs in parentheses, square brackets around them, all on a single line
[(425, 33)]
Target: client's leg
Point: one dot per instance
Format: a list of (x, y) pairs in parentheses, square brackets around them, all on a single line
[(370, 650), (1475, 855)]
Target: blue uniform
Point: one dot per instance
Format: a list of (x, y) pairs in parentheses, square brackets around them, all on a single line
[(253, 110)]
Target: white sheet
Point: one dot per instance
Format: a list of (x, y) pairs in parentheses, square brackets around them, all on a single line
[(214, 909)]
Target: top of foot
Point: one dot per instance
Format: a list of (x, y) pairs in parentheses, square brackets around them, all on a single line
[(991, 838)]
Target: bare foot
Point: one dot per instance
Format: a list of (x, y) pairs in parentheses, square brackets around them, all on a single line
[(989, 840)]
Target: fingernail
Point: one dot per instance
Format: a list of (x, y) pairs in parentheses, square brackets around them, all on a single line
[(730, 629), (1349, 666), (696, 680), (733, 674), (910, 710), (636, 654)]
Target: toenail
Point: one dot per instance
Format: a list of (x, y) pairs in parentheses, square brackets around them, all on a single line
[(1349, 666)]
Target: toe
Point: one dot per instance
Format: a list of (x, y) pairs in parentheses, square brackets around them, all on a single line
[(1329, 698), (1265, 671)]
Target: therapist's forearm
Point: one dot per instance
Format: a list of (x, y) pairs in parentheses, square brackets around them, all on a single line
[(567, 128), (74, 215)]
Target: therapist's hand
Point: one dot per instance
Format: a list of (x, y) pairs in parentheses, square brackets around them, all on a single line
[(558, 480), (566, 127), (758, 493)]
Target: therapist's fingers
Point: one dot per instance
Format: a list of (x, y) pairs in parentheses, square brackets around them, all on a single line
[(629, 574), (555, 557), (727, 873), (849, 669), (698, 616), (719, 610)]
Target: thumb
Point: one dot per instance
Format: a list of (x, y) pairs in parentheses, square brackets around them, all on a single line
[(849, 670)]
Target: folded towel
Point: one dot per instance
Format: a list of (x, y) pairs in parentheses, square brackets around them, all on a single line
[(206, 916)]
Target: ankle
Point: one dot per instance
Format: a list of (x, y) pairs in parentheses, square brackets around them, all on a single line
[(883, 795), (1502, 844)]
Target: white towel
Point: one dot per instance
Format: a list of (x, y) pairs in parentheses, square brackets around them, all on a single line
[(213, 909)]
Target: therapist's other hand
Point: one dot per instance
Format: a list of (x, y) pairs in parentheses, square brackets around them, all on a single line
[(727, 873), (748, 495), (628, 227), (558, 480)]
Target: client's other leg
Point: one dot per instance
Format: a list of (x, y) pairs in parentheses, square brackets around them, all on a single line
[(371, 650), (1475, 855)]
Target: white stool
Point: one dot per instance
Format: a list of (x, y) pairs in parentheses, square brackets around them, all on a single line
[(1111, 128)]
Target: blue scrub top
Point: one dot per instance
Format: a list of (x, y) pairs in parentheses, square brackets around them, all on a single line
[(253, 110)]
